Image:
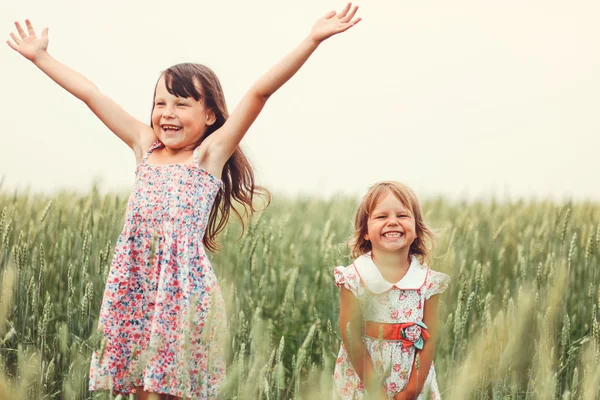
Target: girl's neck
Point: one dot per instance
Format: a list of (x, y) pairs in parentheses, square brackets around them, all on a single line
[(177, 152), (393, 266), (165, 156)]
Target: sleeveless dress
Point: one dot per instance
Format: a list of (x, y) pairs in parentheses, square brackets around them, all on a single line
[(382, 302), (163, 315)]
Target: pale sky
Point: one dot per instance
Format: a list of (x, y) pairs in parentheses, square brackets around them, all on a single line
[(456, 98)]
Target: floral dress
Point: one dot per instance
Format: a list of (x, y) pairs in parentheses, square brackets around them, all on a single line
[(382, 302), (163, 315)]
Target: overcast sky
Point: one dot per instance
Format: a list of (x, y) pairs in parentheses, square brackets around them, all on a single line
[(456, 98)]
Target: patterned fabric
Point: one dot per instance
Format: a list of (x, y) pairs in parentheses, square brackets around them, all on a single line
[(401, 303), (163, 315)]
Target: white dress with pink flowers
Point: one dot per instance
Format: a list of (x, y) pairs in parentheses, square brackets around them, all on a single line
[(383, 302)]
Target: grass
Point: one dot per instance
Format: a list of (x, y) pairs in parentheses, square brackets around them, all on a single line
[(520, 320)]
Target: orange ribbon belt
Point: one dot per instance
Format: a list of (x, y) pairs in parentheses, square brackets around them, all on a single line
[(397, 332)]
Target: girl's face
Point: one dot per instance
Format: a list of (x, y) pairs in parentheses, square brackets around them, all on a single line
[(391, 226), (179, 123)]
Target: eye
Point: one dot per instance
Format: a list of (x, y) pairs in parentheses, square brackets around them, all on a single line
[(181, 104), (381, 217), (159, 103)]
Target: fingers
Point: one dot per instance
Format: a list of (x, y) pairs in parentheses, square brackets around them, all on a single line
[(45, 32), (29, 28), (349, 17), (21, 31), (15, 38), (345, 26), (330, 14), (12, 45), (343, 13)]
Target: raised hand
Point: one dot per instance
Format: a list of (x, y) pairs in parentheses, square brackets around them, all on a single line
[(333, 23), (28, 44)]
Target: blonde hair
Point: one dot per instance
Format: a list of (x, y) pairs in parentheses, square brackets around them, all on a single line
[(420, 248)]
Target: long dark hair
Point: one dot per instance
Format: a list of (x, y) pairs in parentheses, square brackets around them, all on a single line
[(238, 176)]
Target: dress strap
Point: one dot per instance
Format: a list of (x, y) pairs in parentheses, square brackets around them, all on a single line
[(195, 157), (155, 145)]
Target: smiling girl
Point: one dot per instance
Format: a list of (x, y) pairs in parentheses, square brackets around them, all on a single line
[(162, 318), (389, 302)]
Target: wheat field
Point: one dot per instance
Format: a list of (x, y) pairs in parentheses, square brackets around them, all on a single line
[(519, 321)]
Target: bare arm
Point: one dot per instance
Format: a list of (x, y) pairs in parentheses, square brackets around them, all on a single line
[(419, 375), (224, 141), (351, 320), (127, 128)]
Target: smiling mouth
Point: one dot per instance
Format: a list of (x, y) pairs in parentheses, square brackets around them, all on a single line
[(393, 234), (170, 128)]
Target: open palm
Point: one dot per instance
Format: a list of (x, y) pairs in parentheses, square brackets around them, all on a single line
[(333, 23), (27, 43)]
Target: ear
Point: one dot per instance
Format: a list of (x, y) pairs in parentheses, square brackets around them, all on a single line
[(366, 237), (211, 117)]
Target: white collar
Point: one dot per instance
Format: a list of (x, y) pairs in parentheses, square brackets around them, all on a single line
[(371, 276)]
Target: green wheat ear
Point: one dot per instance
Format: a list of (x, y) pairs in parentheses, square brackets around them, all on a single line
[(501, 255)]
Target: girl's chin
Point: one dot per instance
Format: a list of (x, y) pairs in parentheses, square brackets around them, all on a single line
[(170, 140), (391, 248), (169, 136), (394, 242)]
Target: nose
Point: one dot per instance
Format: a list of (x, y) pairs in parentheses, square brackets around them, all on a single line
[(168, 112), (393, 221)]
